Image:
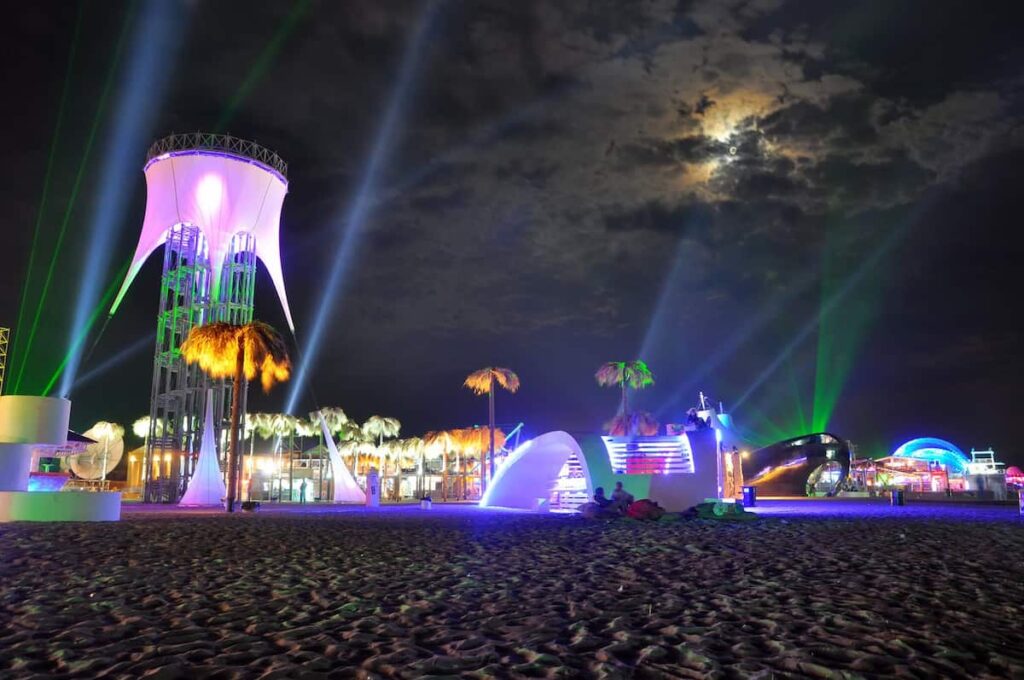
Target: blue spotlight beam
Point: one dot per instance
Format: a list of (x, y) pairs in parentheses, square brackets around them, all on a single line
[(115, 360), (737, 339), (361, 204), (153, 46)]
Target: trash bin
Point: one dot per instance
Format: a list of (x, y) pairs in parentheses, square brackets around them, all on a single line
[(898, 497), (749, 496)]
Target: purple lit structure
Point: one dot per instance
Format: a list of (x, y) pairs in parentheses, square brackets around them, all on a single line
[(214, 202)]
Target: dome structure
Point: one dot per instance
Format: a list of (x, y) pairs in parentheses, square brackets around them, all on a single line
[(935, 450)]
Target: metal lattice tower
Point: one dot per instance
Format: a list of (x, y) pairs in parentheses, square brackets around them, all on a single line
[(5, 334), (179, 390)]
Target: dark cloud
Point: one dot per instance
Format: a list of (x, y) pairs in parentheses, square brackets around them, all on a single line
[(846, 121)]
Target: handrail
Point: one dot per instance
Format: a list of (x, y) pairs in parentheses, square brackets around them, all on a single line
[(213, 142)]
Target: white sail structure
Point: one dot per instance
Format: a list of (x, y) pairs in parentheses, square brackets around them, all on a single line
[(207, 485), (346, 489), (224, 186)]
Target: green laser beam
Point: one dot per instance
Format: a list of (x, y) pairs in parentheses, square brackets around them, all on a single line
[(100, 108), (61, 107), (841, 330), (263, 61), (84, 333), (797, 399), (765, 432)]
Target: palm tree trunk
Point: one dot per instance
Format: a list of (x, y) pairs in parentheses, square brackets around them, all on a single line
[(398, 477), (490, 462), (252, 452), (444, 475), (236, 403), (623, 397)]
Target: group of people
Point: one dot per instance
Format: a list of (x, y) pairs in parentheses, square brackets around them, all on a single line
[(619, 502)]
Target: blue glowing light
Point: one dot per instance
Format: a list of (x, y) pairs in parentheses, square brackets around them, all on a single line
[(148, 72), (115, 360), (934, 451), (360, 207)]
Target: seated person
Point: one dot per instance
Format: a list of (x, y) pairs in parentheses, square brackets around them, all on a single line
[(599, 498), (621, 498)]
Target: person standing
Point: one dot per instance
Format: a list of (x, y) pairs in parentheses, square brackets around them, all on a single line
[(302, 492)]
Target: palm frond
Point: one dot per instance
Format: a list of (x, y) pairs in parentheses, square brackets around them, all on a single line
[(610, 374), (637, 423), (140, 428), (381, 426), (635, 374), (479, 382), (638, 375), (215, 348)]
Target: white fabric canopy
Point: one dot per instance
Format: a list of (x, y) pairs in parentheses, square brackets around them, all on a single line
[(527, 477), (346, 489), (222, 195), (207, 485)]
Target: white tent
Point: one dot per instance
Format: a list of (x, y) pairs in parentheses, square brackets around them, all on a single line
[(346, 489), (207, 485)]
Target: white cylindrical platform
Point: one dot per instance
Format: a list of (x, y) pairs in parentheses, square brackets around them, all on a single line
[(15, 461), (27, 422), (60, 506), (34, 420)]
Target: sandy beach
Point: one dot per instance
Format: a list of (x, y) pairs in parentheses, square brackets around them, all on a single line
[(461, 592)]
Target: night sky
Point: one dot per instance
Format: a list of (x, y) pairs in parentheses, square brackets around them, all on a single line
[(808, 210)]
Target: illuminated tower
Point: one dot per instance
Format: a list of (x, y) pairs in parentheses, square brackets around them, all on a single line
[(214, 203)]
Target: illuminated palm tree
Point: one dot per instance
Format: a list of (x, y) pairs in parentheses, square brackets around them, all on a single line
[(336, 420), (412, 450), (484, 382), (379, 427), (140, 428), (625, 375), (240, 352)]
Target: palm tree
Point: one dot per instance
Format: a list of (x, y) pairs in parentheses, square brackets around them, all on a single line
[(283, 425), (624, 374), (140, 428), (378, 427), (412, 449), (335, 418), (483, 382), (240, 352)]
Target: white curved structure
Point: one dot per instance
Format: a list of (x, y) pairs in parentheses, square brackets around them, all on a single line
[(346, 489), (222, 185), (28, 424), (206, 487), (528, 476)]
